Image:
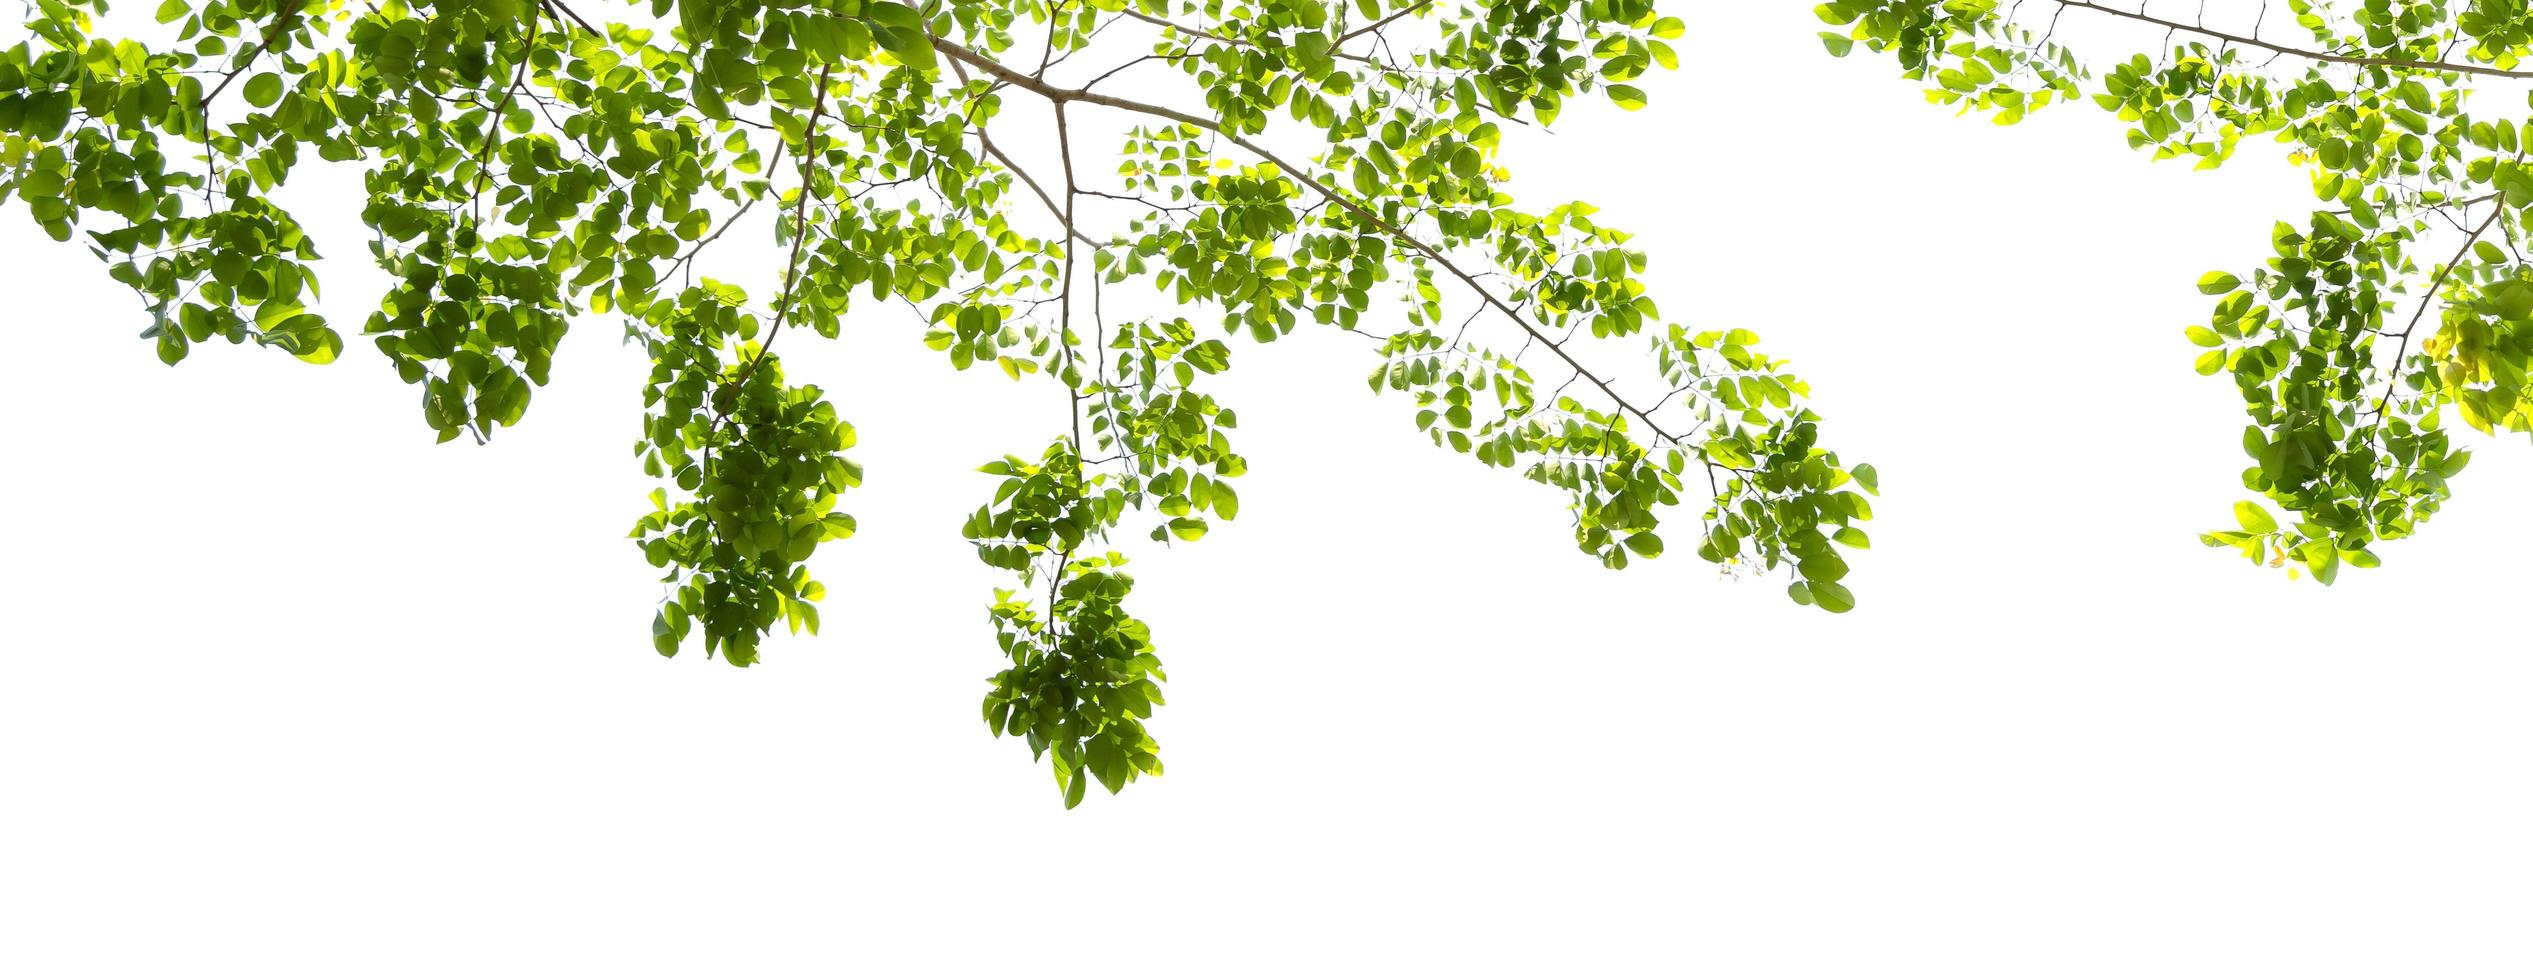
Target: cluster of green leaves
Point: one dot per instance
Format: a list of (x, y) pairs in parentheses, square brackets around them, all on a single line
[(1083, 679), (528, 168), (754, 513), (1978, 60), (2347, 380)]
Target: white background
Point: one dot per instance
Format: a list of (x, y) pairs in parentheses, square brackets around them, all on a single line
[(291, 692)]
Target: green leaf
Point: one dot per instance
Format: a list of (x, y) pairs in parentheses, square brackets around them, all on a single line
[(2254, 518), (1867, 478), (263, 90), (272, 315), (2218, 283), (663, 637), (1628, 97), (901, 32), (317, 345)]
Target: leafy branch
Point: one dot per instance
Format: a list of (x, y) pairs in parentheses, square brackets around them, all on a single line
[(1061, 95)]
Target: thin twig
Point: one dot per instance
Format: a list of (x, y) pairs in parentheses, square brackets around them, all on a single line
[(800, 237), (1383, 22), (281, 22), (492, 133), (2429, 299)]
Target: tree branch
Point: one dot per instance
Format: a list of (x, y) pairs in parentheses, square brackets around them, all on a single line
[(2306, 53), (1064, 313), (1062, 216), (558, 7), (492, 133), (1061, 95), (800, 238)]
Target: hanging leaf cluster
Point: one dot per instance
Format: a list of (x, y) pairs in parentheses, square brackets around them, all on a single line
[(2400, 305)]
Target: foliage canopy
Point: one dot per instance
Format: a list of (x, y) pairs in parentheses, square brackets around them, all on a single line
[(1282, 163)]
